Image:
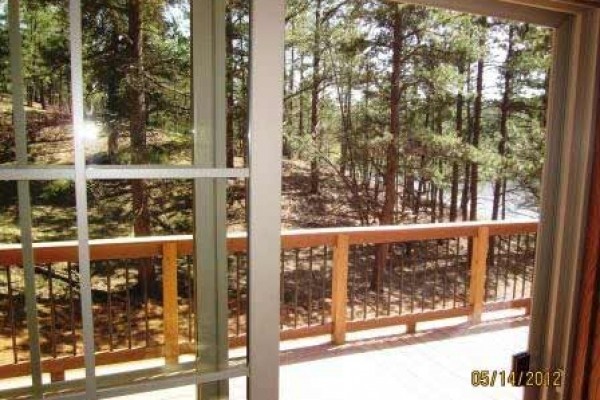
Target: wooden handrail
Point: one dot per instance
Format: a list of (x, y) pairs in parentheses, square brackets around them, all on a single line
[(142, 247)]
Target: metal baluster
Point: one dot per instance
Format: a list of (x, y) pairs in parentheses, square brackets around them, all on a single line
[(52, 311), (323, 272), (128, 307), (514, 273), (435, 274), (353, 267), (193, 293), (466, 272), (282, 305), (456, 271), (109, 293), (533, 261), (401, 281), (507, 266), (72, 308), (413, 270), (244, 291), (238, 295), (497, 251), (310, 278), (146, 309), (424, 280), (379, 279), (366, 274), (527, 239), (389, 276), (189, 298), (445, 282), (296, 286), (11, 315)]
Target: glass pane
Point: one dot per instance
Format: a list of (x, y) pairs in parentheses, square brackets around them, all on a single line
[(137, 80), (402, 115), (129, 293), (14, 347), (46, 79), (137, 111), (144, 296), (56, 283)]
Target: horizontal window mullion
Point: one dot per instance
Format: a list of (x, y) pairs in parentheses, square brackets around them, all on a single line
[(39, 173), (36, 173), (162, 172)]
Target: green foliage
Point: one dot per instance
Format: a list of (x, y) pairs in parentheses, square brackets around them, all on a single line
[(355, 42), (439, 52)]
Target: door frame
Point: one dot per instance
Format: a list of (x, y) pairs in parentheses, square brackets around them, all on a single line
[(585, 362)]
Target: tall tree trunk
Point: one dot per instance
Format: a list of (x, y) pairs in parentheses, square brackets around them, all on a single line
[(314, 107), (137, 127), (548, 43), (504, 199), (386, 216), (43, 98), (346, 125), (391, 164), (301, 128), (464, 201), (499, 183), (287, 148), (459, 133), (477, 122), (112, 101)]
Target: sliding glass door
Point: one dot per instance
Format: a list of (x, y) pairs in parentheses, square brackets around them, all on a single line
[(122, 274)]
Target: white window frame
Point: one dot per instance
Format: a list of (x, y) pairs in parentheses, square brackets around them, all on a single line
[(263, 173), (571, 115)]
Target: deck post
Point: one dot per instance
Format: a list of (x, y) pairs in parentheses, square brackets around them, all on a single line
[(339, 296), (478, 273), (170, 306)]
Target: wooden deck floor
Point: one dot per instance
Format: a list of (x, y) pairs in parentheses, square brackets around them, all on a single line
[(435, 363), (432, 364)]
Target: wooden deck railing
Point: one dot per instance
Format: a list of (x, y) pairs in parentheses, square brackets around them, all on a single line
[(333, 281)]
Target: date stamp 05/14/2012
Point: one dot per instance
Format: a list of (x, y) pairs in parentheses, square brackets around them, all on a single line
[(491, 378)]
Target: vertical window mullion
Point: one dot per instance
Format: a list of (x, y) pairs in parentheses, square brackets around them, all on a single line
[(267, 26), (209, 122), (81, 196), (24, 196)]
